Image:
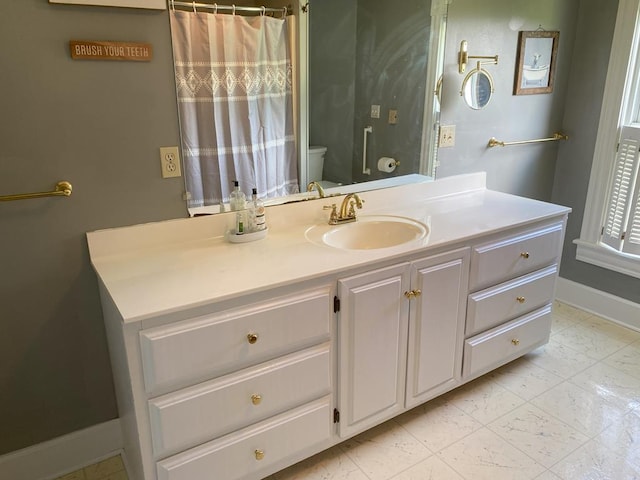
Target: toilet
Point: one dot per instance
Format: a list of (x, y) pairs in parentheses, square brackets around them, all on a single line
[(316, 163)]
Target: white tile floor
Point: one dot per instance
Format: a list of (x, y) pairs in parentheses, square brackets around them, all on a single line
[(569, 410)]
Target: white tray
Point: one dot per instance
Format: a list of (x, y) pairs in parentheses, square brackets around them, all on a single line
[(246, 237)]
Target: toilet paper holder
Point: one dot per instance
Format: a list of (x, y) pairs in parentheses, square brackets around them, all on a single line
[(387, 164)]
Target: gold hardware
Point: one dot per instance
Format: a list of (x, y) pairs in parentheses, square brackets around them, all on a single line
[(521, 299), (252, 338), (259, 454), (524, 254), (256, 399), (556, 136), (515, 341), (464, 57), (63, 189), (347, 209), (412, 294), (333, 217), (318, 187)]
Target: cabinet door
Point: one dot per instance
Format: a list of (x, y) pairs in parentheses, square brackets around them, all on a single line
[(373, 324), (436, 325)]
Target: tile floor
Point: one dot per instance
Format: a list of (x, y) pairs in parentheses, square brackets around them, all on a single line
[(109, 469), (569, 410)]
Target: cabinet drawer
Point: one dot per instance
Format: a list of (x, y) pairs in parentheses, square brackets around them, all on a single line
[(195, 415), (255, 450), (502, 344), (194, 350), (496, 262), (493, 306)]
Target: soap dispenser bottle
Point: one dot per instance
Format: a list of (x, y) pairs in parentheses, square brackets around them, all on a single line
[(257, 211), (237, 199)]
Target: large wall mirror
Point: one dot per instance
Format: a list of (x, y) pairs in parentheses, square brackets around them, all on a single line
[(366, 81)]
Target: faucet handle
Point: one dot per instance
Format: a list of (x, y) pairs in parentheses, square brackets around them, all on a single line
[(355, 201), (333, 217)]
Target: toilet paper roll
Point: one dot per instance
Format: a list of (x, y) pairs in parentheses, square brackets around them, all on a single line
[(387, 164)]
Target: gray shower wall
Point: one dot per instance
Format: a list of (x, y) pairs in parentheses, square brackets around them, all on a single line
[(391, 68), (332, 50), (363, 53)]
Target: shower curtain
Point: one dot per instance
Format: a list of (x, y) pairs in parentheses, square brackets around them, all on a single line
[(234, 90)]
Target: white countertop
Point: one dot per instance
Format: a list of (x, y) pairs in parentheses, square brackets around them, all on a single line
[(190, 258)]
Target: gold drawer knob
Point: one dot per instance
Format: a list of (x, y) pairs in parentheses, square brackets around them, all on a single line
[(252, 338), (525, 255), (256, 399), (259, 454), (515, 341), (521, 299), (412, 294)]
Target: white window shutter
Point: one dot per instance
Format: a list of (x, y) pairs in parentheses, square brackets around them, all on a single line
[(632, 238), (622, 189)]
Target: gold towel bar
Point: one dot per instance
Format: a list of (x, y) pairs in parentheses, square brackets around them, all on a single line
[(556, 136), (63, 189)]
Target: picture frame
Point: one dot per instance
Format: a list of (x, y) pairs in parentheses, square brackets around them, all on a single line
[(536, 62)]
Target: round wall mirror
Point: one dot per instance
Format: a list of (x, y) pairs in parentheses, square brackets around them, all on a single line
[(477, 88)]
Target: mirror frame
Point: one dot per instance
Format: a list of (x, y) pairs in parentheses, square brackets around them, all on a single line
[(467, 81)]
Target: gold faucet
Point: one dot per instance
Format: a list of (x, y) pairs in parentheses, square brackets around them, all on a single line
[(318, 187), (347, 209)]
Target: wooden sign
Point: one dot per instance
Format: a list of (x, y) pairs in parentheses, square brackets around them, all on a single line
[(150, 4), (125, 51)]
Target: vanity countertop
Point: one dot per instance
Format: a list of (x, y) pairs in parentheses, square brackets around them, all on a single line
[(138, 265)]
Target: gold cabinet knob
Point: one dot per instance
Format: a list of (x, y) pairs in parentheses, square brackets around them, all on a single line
[(256, 399), (525, 255), (252, 338), (515, 341), (521, 299), (259, 454), (412, 294)]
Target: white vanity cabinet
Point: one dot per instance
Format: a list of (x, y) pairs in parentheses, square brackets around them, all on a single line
[(512, 285), (241, 391), (266, 353), (400, 333)]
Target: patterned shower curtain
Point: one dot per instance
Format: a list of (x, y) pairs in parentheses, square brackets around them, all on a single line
[(234, 89)]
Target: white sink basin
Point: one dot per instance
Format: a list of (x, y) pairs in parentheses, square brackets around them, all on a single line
[(368, 232)]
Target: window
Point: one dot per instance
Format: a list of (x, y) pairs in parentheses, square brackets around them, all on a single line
[(610, 235)]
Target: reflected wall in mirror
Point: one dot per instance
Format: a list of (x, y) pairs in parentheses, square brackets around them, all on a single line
[(352, 55), (368, 59)]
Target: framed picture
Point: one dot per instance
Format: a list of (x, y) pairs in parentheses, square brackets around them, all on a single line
[(536, 62)]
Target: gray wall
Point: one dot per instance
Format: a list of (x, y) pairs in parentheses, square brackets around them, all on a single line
[(523, 170), (596, 22), (98, 125), (391, 67), (332, 46), (366, 52)]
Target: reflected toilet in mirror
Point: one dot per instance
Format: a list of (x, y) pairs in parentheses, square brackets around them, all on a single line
[(316, 163)]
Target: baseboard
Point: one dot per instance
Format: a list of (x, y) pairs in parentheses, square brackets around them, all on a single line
[(616, 309), (57, 457)]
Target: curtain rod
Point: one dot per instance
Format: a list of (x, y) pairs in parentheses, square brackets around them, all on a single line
[(230, 8)]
